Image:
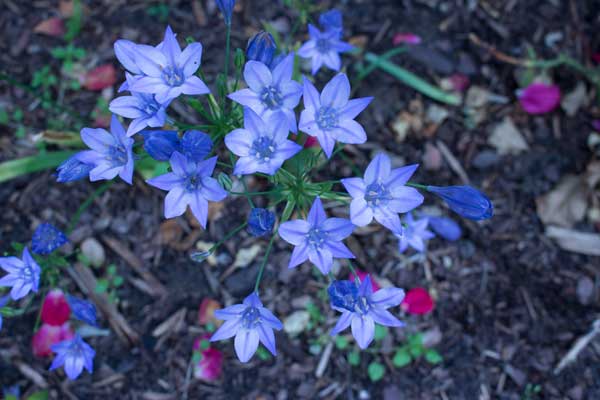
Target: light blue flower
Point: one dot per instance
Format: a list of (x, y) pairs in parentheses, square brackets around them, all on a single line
[(262, 146), (250, 323), (111, 152), (270, 92), (324, 48), (318, 238), (74, 355), (415, 234), (366, 309), (330, 115), (189, 183), (23, 275), (382, 194)]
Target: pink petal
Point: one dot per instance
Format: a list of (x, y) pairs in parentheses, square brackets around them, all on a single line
[(418, 301), (311, 141), (206, 314), (51, 27), (406, 38), (55, 309), (539, 98), (100, 77), (210, 366), (49, 335)]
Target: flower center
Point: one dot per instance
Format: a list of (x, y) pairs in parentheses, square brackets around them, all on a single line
[(173, 76), (27, 273), (250, 318), (193, 183), (263, 149), (316, 238), (117, 154), (327, 118), (362, 305), (323, 45), (377, 194), (151, 107), (271, 97)]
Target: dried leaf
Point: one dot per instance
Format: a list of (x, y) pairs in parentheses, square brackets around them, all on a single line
[(565, 204), (100, 77), (52, 27), (296, 323), (575, 241), (507, 139), (245, 256), (573, 101), (170, 232)]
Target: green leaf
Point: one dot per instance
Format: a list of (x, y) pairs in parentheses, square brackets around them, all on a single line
[(433, 357), (23, 166), (41, 395), (204, 344), (196, 357), (380, 332), (101, 286), (341, 342), (150, 168), (416, 351), (118, 281), (413, 80), (376, 371), (263, 354), (112, 269), (415, 340), (402, 358), (354, 358)]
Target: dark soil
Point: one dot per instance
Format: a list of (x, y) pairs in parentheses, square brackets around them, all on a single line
[(507, 305)]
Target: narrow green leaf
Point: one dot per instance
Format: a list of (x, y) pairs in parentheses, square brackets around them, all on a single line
[(23, 166), (412, 80), (41, 395)]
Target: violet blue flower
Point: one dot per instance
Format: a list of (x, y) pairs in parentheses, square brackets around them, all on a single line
[(270, 92), (23, 275), (261, 47), (73, 169), (160, 145), (318, 238), (196, 145), (260, 222), (250, 323), (331, 21), (367, 309), (382, 193), (168, 71), (83, 310), (415, 234), (343, 294), (191, 184), (74, 355), (330, 115), (466, 201), (111, 153), (47, 238), (324, 48), (445, 227), (142, 108), (3, 302), (262, 146)]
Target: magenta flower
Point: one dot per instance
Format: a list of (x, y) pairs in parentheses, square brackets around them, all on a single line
[(539, 98), (210, 366), (406, 38)]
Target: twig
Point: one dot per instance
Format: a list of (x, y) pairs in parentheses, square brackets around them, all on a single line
[(324, 360), (32, 375), (579, 345), (452, 161)]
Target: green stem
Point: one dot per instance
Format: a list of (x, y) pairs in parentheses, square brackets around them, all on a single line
[(373, 66), (356, 278), (246, 190), (228, 236), (416, 185), (264, 262), (413, 80), (87, 203)]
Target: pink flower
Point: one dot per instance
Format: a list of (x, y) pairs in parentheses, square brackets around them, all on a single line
[(49, 335), (362, 276), (210, 366), (55, 309), (406, 38), (539, 98), (100, 77), (459, 82), (206, 314), (311, 141), (417, 301)]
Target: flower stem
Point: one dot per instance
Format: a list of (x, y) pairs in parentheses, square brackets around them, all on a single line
[(227, 48), (417, 185), (264, 262), (228, 236), (353, 270)]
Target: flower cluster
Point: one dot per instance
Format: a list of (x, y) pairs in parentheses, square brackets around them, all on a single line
[(264, 137)]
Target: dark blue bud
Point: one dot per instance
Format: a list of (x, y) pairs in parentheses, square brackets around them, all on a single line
[(72, 170), (196, 145), (445, 227), (332, 21), (82, 310), (260, 222), (160, 145), (46, 239), (261, 47), (277, 59), (226, 7), (343, 294), (466, 201)]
